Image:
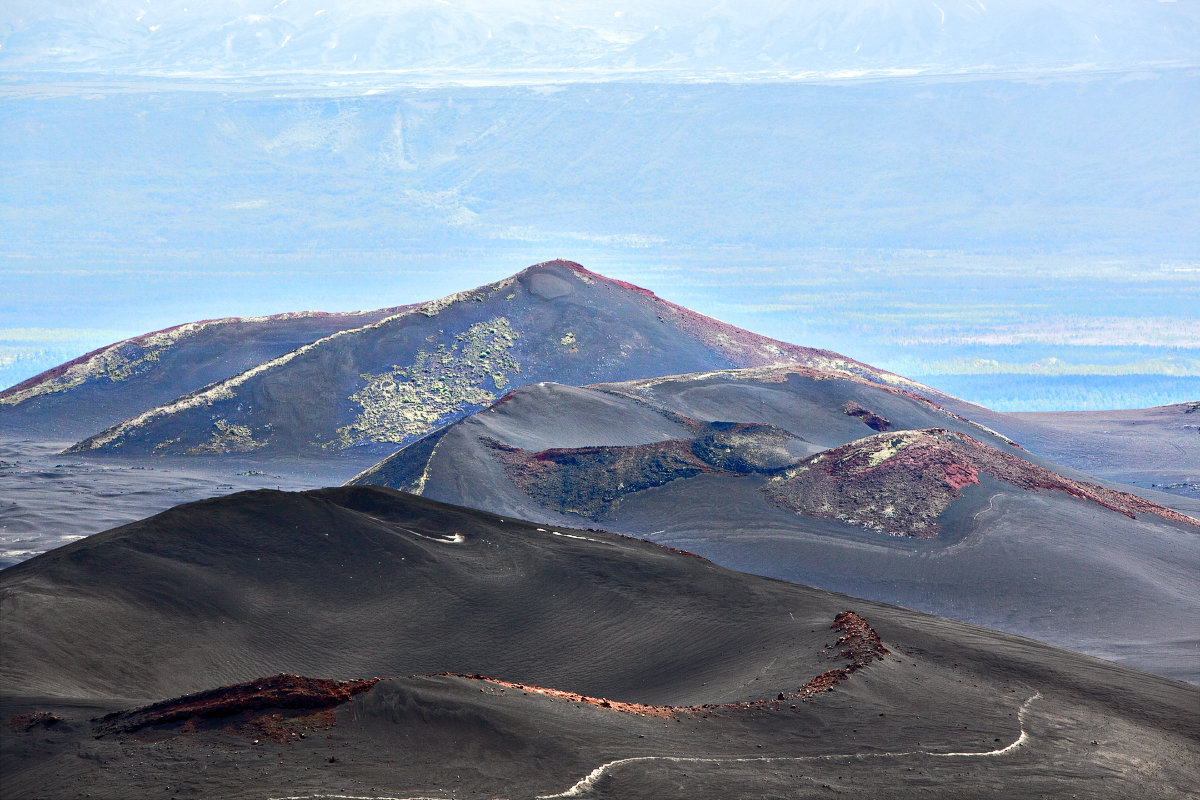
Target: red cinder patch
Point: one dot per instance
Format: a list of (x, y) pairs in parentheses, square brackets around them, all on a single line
[(276, 692), (872, 420), (858, 642), (34, 719), (959, 476)]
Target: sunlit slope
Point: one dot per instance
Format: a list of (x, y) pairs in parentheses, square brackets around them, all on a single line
[(1156, 448)]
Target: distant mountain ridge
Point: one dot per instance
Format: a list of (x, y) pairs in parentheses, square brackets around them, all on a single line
[(412, 369)]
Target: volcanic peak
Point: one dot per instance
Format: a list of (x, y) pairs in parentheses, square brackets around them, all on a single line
[(403, 374), (586, 275)]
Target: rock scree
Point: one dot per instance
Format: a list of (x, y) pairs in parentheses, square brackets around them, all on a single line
[(899, 483)]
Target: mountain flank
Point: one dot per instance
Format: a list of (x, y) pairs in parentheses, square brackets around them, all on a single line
[(399, 376), (116, 382)]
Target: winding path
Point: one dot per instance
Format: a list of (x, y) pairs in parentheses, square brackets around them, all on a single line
[(588, 781)]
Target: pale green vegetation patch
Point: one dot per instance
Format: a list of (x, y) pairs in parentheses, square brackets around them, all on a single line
[(228, 438), (435, 307), (409, 401), (568, 340), (884, 447)]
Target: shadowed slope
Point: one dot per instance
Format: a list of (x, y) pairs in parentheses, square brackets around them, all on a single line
[(345, 581)]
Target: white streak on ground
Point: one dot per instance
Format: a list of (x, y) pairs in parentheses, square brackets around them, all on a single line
[(457, 538), (1019, 742), (566, 535), (572, 536), (589, 780)]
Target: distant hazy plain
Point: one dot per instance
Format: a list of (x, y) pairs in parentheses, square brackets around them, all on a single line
[(1026, 243)]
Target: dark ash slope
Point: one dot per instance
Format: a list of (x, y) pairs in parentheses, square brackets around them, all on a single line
[(618, 669), (1008, 541), (820, 408)]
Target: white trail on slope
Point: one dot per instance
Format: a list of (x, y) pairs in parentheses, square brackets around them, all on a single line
[(588, 781)]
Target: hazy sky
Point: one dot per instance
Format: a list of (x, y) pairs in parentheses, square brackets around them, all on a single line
[(983, 188)]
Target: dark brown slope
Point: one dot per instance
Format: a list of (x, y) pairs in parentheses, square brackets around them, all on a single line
[(618, 669), (385, 384), (950, 520), (121, 380)]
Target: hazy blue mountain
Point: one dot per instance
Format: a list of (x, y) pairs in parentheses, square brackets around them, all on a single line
[(673, 39), (973, 220), (947, 230)]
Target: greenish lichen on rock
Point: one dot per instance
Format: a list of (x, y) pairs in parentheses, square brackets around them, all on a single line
[(435, 307), (228, 437), (410, 400)]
